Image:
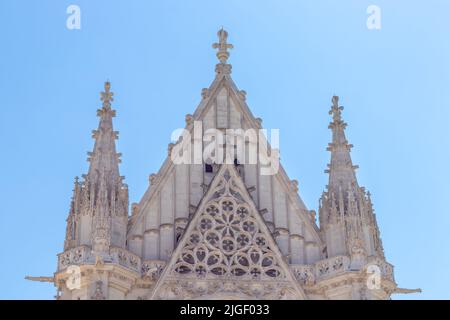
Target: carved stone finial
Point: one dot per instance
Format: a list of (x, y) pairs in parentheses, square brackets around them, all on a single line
[(134, 208), (243, 94), (336, 109), (312, 214), (188, 118), (222, 46), (107, 96), (152, 178), (294, 185), (205, 93), (335, 101)]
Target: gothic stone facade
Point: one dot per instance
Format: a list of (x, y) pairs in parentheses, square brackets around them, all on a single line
[(219, 231)]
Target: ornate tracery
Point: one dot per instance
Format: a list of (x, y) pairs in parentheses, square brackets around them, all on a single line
[(227, 240)]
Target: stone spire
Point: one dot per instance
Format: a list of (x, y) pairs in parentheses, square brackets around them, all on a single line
[(104, 156), (70, 240), (99, 208), (347, 220), (341, 170)]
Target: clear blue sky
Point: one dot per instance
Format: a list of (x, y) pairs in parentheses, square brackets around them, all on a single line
[(290, 57)]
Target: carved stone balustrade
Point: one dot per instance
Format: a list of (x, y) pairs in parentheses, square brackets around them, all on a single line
[(310, 274), (305, 274), (73, 256), (126, 259), (332, 266)]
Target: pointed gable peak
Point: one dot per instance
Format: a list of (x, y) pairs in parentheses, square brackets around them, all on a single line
[(224, 86)]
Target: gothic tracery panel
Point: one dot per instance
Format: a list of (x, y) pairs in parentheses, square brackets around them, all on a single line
[(227, 240)]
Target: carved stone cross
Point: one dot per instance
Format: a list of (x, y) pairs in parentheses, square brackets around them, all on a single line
[(222, 46)]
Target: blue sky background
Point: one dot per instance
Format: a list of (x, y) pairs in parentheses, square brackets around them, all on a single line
[(290, 57)]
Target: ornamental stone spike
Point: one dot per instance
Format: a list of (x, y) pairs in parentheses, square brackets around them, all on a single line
[(102, 197), (336, 109), (340, 169), (107, 96), (222, 46), (341, 214)]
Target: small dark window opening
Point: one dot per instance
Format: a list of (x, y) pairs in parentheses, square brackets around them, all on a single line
[(208, 168), (178, 235), (236, 162)]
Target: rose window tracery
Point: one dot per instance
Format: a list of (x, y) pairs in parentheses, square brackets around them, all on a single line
[(227, 241)]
